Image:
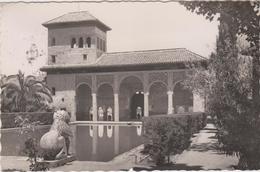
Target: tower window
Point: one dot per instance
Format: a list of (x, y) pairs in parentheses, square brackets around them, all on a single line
[(53, 42), (53, 59), (101, 44), (53, 91), (73, 43), (85, 56), (97, 43), (80, 42), (88, 42), (104, 45)]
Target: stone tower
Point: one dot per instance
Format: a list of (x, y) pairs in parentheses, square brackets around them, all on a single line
[(75, 38)]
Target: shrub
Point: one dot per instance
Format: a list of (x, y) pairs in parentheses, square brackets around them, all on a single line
[(8, 119), (170, 134)]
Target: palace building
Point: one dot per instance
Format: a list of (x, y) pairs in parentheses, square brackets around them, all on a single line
[(85, 77)]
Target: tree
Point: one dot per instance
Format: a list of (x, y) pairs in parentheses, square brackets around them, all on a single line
[(24, 94), (232, 84)]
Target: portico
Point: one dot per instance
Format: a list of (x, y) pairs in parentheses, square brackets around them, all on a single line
[(87, 78)]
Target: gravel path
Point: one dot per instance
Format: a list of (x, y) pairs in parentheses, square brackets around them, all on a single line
[(203, 155)]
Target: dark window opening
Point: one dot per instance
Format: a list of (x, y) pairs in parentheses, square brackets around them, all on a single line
[(97, 43), (104, 45), (88, 42), (73, 43), (53, 91), (101, 45), (53, 59), (85, 56), (80, 42), (53, 42)]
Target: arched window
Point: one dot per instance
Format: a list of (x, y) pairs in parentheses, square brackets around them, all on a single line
[(88, 42), (53, 42), (80, 42), (101, 44), (104, 45), (73, 43), (97, 43)]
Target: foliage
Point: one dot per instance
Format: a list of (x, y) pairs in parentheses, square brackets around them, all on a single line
[(231, 82), (43, 118), (24, 94), (31, 149), (169, 135)]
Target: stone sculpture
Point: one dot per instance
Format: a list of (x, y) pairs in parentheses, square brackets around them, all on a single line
[(100, 113), (55, 143), (109, 113)]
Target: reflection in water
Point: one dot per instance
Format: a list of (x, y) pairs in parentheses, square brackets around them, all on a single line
[(89, 146), (100, 130), (139, 130), (116, 140), (91, 130), (94, 140), (109, 131)]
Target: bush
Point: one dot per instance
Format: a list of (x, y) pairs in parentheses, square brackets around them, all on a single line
[(170, 134), (8, 119)]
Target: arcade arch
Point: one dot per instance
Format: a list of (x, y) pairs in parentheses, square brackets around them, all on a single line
[(183, 99), (130, 97), (83, 102), (105, 98), (158, 98)]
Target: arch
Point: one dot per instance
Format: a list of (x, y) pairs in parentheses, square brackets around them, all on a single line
[(88, 41), (105, 98), (73, 43), (130, 97), (80, 42), (158, 98), (183, 98), (157, 81), (83, 83), (83, 102), (53, 42)]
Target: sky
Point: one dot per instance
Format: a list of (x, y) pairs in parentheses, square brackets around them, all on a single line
[(135, 26)]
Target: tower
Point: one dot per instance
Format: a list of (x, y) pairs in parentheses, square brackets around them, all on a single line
[(75, 38)]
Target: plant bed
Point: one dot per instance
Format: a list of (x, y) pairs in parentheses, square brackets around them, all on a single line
[(56, 163)]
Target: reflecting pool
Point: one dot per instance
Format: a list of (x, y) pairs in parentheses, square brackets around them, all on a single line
[(104, 142), (97, 142)]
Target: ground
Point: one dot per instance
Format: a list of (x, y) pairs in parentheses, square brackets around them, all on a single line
[(202, 155)]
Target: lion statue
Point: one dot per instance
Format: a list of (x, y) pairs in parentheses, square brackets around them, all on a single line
[(55, 143)]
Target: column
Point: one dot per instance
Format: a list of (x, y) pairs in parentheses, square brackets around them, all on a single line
[(116, 107), (170, 108), (116, 99), (146, 104), (94, 106)]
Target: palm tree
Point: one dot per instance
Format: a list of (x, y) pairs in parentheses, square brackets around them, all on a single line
[(24, 94)]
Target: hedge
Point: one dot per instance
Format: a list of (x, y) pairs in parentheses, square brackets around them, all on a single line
[(170, 134), (8, 119)]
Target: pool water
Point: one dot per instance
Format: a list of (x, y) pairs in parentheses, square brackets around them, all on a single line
[(104, 142), (90, 142)]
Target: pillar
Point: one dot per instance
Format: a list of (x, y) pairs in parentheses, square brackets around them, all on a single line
[(116, 107), (146, 104), (116, 99), (94, 106), (170, 97)]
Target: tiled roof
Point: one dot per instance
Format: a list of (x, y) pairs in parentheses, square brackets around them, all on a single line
[(163, 56), (137, 58), (72, 17)]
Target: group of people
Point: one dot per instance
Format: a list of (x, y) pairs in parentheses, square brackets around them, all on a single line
[(102, 113)]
